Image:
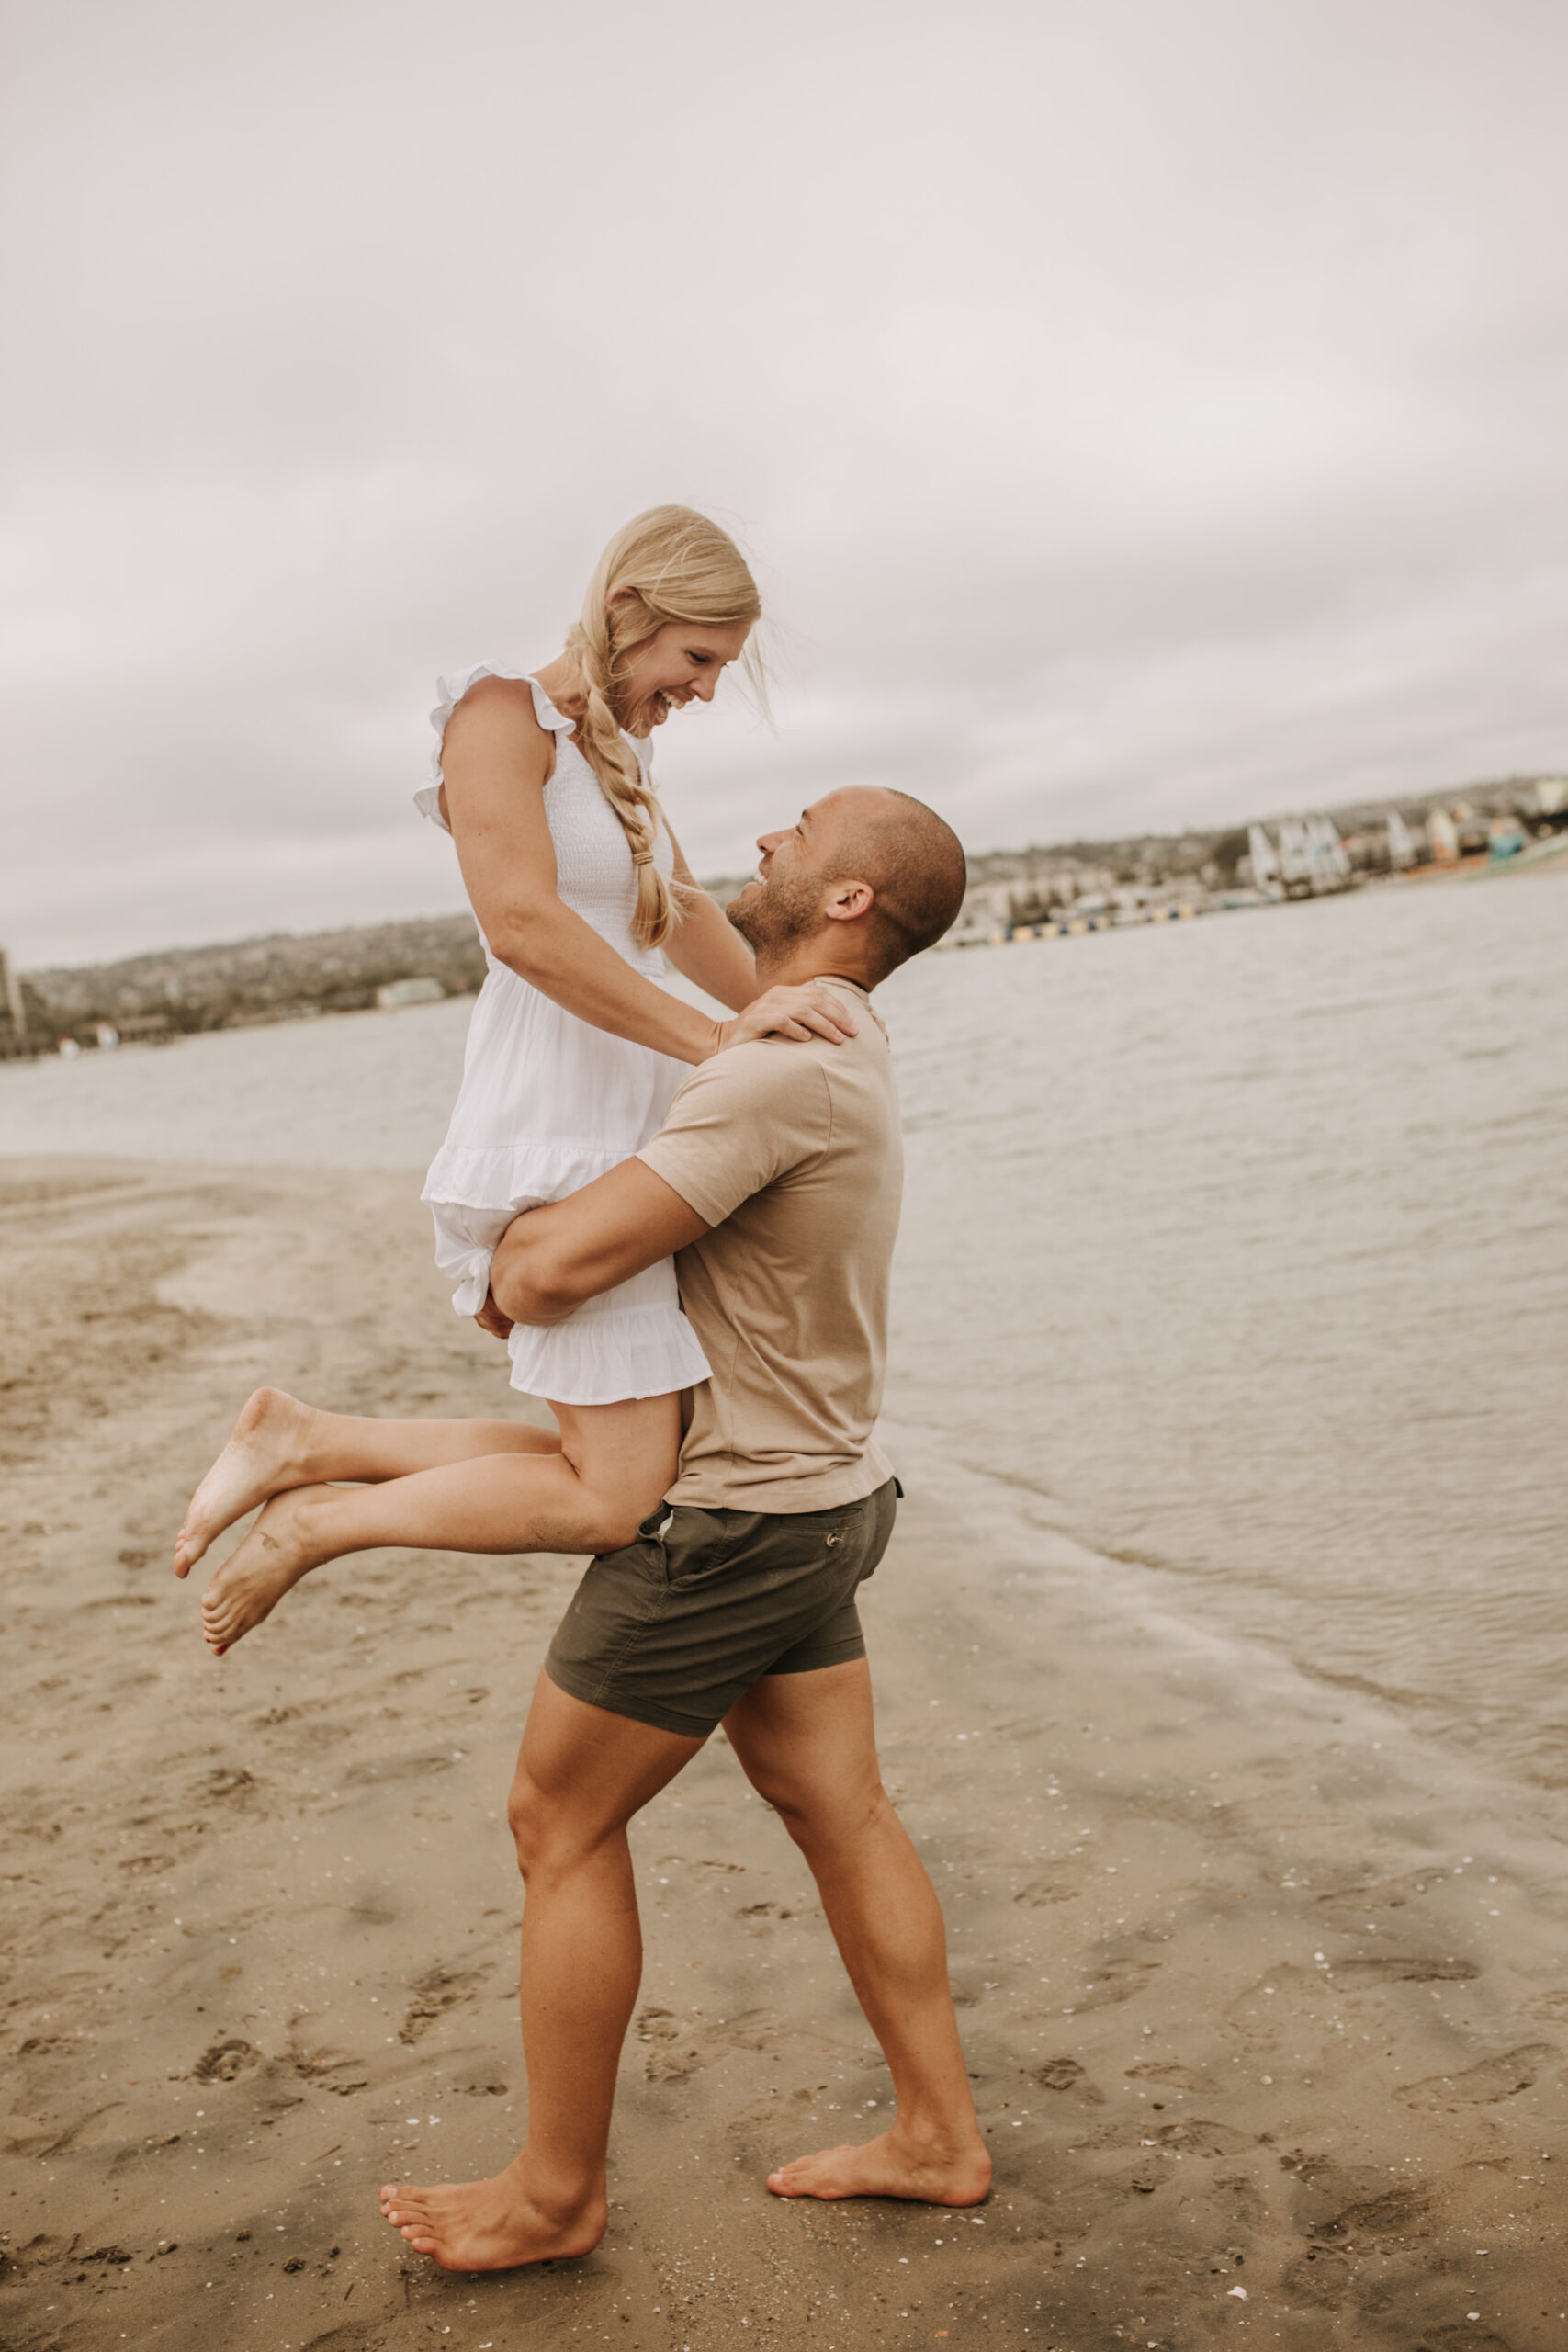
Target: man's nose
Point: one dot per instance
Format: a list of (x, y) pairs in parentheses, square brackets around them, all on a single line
[(768, 843)]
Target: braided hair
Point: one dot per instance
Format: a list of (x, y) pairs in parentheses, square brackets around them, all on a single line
[(670, 564)]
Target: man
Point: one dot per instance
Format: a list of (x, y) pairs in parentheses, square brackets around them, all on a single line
[(776, 1181)]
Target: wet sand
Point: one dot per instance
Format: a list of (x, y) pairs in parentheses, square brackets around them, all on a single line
[(1267, 2001)]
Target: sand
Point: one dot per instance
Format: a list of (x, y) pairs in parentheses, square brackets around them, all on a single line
[(1266, 2002)]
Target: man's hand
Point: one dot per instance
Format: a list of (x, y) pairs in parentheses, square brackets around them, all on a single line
[(549, 1259), (491, 1319)]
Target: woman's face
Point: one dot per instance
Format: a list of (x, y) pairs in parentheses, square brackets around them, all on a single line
[(674, 666)]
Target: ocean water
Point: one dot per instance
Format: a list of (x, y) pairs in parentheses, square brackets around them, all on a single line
[(1236, 1247), (1240, 1248)]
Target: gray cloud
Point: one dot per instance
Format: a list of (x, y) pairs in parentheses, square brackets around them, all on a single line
[(1140, 414)]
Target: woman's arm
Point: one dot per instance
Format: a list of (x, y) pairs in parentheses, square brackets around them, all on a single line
[(703, 946), (496, 760)]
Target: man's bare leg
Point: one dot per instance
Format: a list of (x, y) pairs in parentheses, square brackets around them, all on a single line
[(279, 1442), (582, 1776), (807, 1744), (587, 1493)]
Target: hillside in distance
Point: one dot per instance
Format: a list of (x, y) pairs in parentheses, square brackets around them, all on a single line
[(232, 985)]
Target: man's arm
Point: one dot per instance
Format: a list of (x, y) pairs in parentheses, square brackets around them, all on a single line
[(548, 1260)]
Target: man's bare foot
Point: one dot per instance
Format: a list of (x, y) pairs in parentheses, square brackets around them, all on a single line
[(268, 1562), (493, 2224), (890, 2167), (264, 1455)]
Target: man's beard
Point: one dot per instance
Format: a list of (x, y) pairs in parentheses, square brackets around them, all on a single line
[(775, 917)]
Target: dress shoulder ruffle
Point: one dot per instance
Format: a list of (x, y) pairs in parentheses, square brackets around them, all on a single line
[(450, 691)]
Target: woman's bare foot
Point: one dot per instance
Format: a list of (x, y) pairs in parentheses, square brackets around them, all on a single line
[(266, 1453), (268, 1562), (493, 2224), (891, 2166)]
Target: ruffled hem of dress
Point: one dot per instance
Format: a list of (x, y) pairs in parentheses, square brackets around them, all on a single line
[(427, 799), (605, 1359), (515, 1175)]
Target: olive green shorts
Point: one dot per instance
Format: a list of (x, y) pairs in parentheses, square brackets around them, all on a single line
[(676, 1627)]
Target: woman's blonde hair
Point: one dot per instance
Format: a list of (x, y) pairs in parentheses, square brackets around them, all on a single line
[(670, 564)]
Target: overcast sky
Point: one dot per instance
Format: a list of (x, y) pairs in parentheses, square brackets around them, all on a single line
[(1139, 412)]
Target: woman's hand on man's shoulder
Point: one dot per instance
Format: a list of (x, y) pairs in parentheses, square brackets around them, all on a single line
[(799, 1012)]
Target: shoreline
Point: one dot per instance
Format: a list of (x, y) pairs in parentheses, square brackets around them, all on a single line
[(63, 1031), (1262, 1990)]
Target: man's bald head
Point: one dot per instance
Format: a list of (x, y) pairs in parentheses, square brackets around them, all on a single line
[(913, 860), (870, 876)]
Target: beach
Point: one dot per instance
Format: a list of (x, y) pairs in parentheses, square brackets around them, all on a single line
[(1263, 1989)]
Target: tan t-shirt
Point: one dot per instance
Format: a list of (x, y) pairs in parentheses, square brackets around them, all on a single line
[(792, 1154)]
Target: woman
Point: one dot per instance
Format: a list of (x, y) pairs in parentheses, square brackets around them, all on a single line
[(574, 1050)]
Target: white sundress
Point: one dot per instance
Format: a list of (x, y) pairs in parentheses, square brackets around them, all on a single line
[(547, 1102)]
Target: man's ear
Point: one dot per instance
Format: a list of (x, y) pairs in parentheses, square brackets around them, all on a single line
[(848, 900)]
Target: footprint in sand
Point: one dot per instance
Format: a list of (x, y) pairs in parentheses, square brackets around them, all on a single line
[(671, 2065), (1113, 1981), (1393, 2213), (1195, 2137), (341, 2076), (1165, 2070), (225, 2062), (660, 2030), (1495, 2078), (1055, 1888), (1066, 2075), (438, 1990)]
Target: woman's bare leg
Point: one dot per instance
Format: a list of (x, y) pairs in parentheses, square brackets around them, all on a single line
[(278, 1443), (611, 1467)]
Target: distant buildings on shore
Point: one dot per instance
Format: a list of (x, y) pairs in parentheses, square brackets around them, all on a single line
[(1094, 886), (1303, 857), (1078, 886)]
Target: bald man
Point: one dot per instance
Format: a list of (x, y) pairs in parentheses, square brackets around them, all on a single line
[(776, 1183)]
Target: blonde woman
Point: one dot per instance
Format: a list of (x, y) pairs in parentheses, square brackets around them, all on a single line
[(542, 779)]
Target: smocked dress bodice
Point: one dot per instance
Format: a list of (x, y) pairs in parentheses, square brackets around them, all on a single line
[(594, 873)]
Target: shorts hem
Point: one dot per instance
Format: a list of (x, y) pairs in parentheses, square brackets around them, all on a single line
[(640, 1711), (838, 1652)]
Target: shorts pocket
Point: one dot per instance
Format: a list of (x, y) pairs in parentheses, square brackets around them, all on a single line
[(643, 1557), (848, 1529), (785, 1547), (699, 1544)]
